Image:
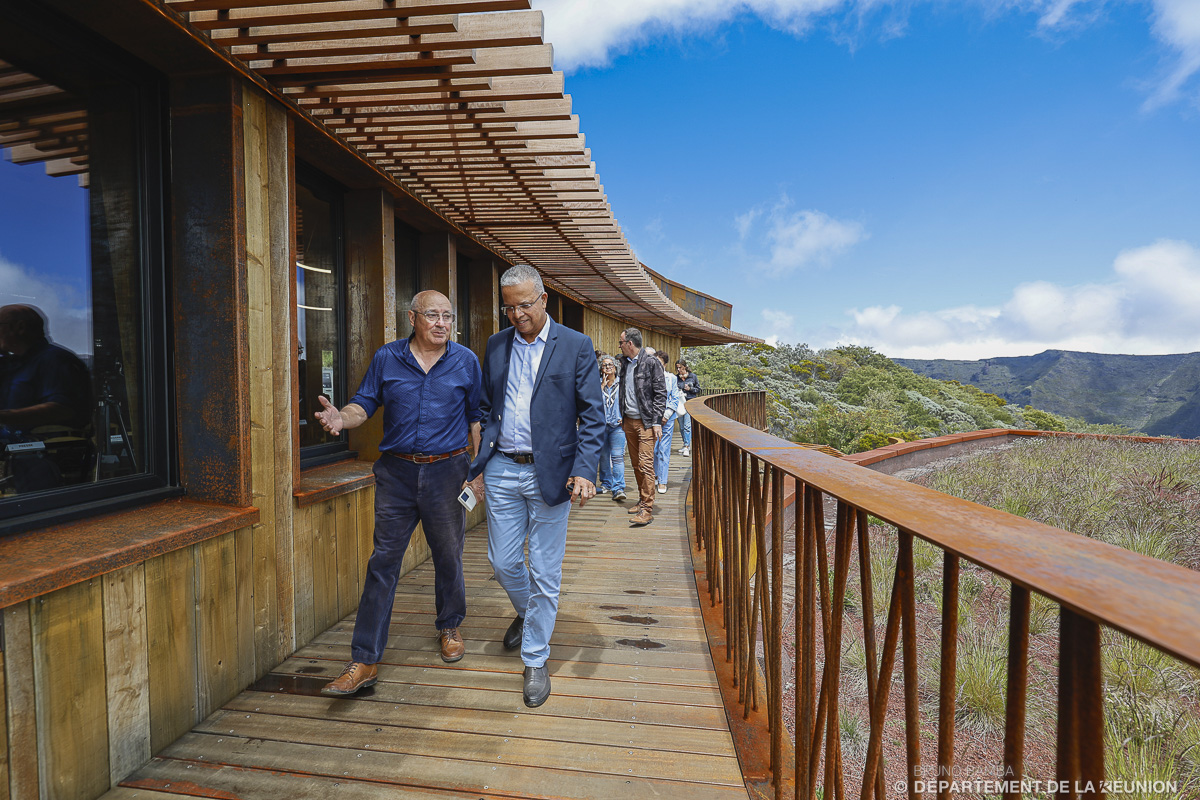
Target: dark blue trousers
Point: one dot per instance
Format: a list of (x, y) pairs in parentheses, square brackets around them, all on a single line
[(405, 494)]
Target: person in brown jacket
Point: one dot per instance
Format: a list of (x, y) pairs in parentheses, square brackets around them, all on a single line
[(643, 403)]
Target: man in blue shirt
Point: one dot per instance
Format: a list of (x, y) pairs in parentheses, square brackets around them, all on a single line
[(541, 371), (429, 389), (41, 384)]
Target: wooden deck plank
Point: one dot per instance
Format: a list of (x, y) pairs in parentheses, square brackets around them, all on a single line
[(666, 739), (614, 686), (549, 753), (494, 775), (636, 710)]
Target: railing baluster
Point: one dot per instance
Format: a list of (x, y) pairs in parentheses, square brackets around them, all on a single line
[(868, 603), (818, 534), (948, 687), (806, 644), (843, 543), (883, 688), (777, 521), (912, 711), (1018, 681), (1080, 706)]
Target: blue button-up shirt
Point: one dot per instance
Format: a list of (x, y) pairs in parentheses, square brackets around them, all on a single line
[(423, 412), (516, 432)]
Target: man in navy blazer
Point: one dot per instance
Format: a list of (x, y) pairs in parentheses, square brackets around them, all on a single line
[(544, 428)]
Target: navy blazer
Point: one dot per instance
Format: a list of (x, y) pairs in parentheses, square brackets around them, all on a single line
[(566, 390)]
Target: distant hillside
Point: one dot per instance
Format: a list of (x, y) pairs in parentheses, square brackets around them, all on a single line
[(1156, 394), (856, 399)]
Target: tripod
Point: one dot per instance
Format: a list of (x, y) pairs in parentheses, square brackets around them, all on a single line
[(112, 449)]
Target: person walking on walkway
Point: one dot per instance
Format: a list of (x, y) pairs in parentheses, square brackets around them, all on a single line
[(545, 372), (662, 448), (429, 388), (690, 387), (643, 403), (612, 454)]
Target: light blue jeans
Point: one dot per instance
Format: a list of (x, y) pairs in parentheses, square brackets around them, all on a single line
[(685, 429), (516, 513), (612, 459), (662, 452)]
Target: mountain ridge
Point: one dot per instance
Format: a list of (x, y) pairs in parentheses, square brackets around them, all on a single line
[(1159, 395)]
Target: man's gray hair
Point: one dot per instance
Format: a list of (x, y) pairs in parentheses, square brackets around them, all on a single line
[(522, 273), (634, 336)]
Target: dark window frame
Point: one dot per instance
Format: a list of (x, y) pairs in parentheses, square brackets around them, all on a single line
[(332, 192), (159, 477)]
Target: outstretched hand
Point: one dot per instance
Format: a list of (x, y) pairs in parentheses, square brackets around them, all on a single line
[(329, 417)]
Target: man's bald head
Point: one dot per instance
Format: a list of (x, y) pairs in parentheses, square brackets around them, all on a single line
[(21, 327), (423, 300)]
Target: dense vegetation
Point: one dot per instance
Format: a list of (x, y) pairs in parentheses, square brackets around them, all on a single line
[(855, 399)]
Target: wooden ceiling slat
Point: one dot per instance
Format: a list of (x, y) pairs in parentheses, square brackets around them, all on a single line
[(464, 110), (250, 15)]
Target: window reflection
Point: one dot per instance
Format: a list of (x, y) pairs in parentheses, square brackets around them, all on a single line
[(71, 349), (319, 300)]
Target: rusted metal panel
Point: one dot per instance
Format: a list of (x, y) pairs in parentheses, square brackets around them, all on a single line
[(212, 354)]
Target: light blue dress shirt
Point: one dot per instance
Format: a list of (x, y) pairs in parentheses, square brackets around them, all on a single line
[(516, 430)]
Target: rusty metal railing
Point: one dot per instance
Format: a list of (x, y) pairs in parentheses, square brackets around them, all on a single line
[(741, 479)]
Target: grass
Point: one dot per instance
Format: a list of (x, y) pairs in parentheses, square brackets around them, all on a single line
[(1142, 497)]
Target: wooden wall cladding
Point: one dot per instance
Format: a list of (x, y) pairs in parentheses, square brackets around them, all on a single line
[(605, 330), (101, 674)]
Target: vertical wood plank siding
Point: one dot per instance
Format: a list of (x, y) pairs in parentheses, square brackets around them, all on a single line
[(127, 663), (605, 330), (18, 680), (68, 689)]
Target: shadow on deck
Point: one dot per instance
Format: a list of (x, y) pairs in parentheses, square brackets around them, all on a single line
[(636, 709)]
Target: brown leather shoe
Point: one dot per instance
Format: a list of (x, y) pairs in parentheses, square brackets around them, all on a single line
[(452, 645), (355, 676), (637, 509), (643, 518)]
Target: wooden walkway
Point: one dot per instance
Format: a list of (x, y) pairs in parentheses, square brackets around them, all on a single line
[(635, 711)]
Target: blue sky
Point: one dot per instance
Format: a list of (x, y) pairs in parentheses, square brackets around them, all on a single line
[(934, 179)]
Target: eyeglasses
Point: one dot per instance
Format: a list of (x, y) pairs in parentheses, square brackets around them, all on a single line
[(609, 366), (436, 316), (519, 307)]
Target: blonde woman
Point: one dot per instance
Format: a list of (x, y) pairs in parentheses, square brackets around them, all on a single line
[(612, 452)]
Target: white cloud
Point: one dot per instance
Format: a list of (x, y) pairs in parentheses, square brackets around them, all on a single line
[(1148, 306), (66, 307), (777, 326), (589, 33), (1177, 25), (794, 239)]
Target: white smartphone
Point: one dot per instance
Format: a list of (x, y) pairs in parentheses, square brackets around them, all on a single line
[(467, 498)]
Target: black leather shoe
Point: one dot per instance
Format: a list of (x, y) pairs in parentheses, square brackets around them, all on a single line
[(537, 685), (512, 636)]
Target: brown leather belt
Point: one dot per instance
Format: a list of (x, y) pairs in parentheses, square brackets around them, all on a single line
[(421, 458), (520, 458)]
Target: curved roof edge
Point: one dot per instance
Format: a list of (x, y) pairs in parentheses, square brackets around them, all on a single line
[(458, 103)]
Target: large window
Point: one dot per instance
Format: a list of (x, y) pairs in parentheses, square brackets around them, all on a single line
[(408, 274), (84, 374), (320, 313)]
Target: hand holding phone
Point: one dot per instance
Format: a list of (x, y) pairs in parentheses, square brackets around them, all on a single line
[(467, 498)]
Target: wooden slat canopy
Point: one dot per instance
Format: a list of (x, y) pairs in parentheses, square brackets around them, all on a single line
[(41, 123), (458, 101)]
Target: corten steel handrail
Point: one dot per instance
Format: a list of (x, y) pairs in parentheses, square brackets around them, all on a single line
[(738, 488)]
